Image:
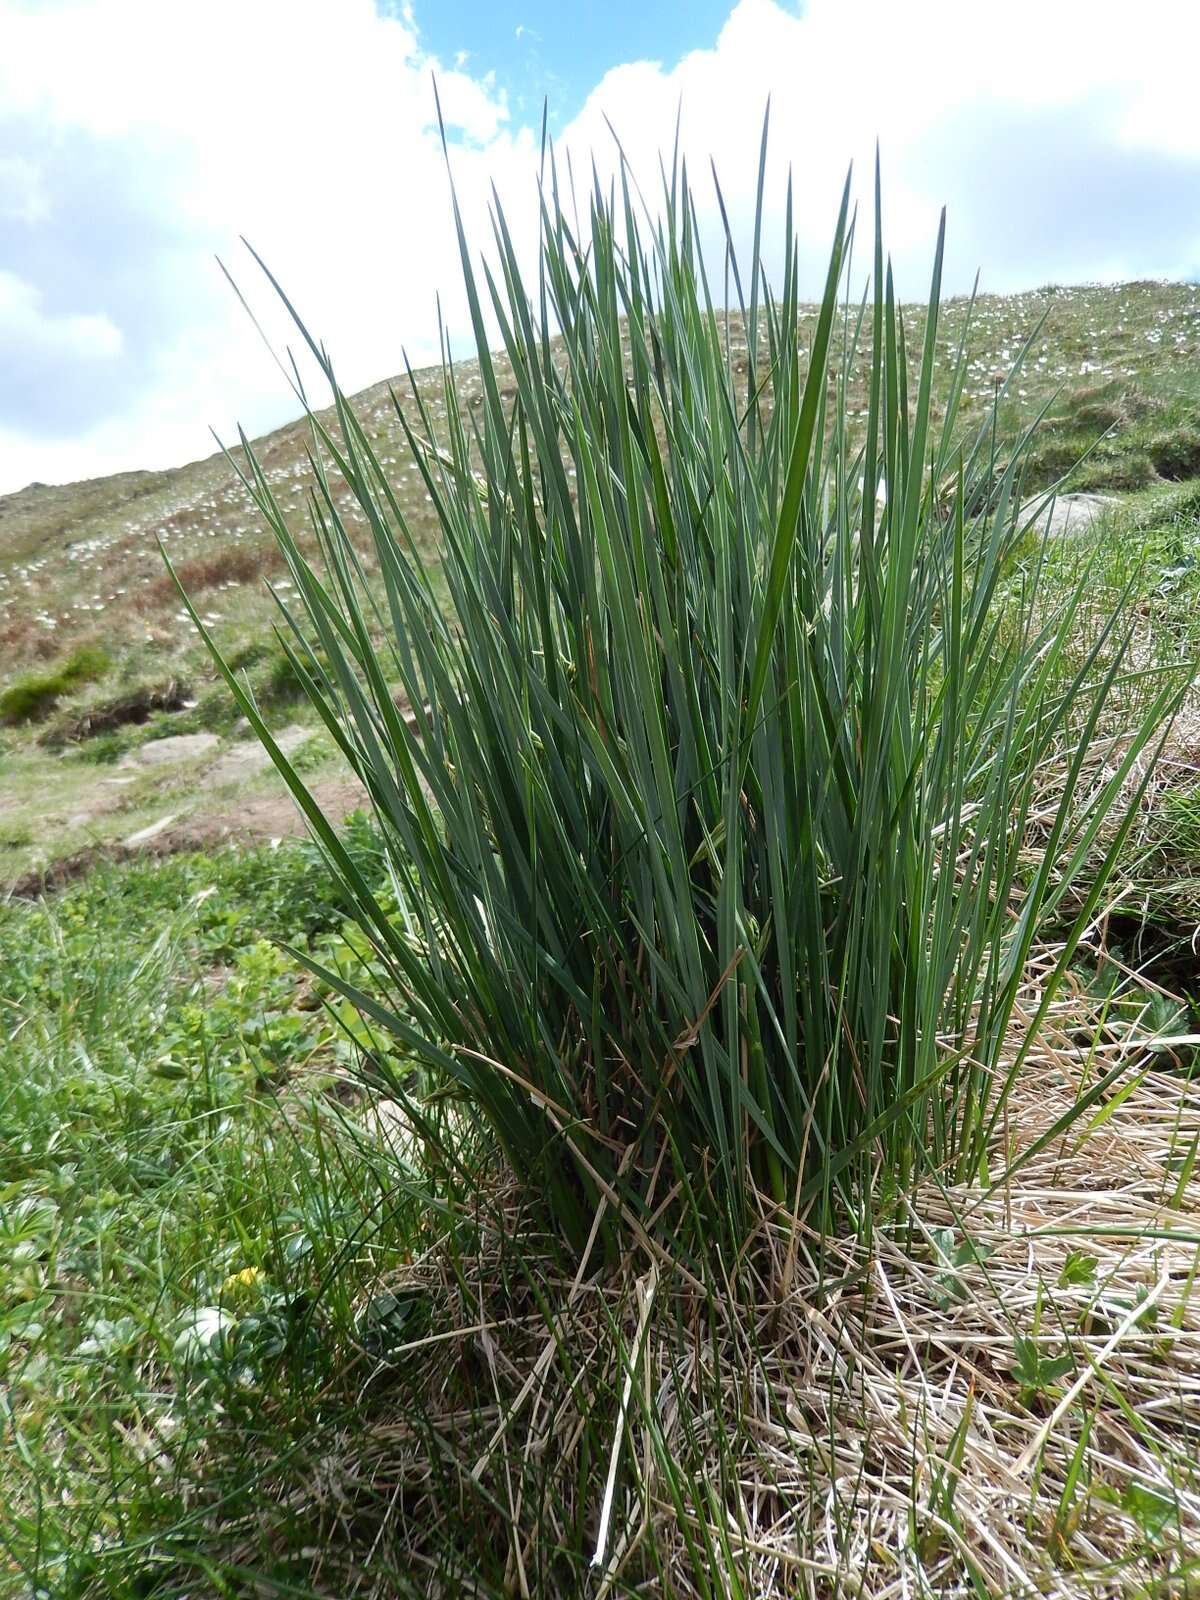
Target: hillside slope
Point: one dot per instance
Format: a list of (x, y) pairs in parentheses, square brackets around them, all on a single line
[(1125, 358), (102, 658)]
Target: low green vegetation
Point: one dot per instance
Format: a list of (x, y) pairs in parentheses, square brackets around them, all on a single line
[(1113, 438), (184, 1207), (32, 697)]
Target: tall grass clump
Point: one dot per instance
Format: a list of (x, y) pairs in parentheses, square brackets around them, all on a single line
[(709, 815)]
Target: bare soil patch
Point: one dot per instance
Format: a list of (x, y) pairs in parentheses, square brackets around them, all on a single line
[(254, 821)]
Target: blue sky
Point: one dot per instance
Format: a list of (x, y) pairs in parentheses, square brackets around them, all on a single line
[(140, 139), (555, 53)]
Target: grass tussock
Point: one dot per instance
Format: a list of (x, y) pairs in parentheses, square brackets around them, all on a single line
[(709, 829)]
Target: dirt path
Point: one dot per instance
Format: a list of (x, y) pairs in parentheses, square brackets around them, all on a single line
[(254, 821)]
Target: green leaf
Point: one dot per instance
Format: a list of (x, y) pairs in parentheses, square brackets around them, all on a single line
[(1078, 1268), (1152, 1510), (1035, 1372)]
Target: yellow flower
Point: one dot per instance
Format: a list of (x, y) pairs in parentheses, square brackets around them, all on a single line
[(242, 1282)]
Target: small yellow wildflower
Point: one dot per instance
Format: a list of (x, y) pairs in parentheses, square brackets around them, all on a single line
[(242, 1282)]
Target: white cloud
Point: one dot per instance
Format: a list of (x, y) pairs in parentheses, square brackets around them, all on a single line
[(308, 126), (924, 78), (146, 137), (23, 196), (26, 327)]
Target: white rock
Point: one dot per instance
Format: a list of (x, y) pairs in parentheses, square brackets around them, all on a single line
[(162, 752), (144, 835), (250, 757), (1068, 513)]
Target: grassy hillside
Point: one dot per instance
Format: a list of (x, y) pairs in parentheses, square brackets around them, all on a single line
[(1119, 369), (97, 657)]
